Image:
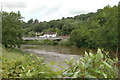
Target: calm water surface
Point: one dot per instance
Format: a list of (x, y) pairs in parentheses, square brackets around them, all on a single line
[(55, 54)]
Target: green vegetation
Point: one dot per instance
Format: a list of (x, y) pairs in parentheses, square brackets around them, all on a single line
[(98, 65), (90, 30), (40, 42), (64, 43), (16, 64), (11, 30), (100, 31), (47, 42)]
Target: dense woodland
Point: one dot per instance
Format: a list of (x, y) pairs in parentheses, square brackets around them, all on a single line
[(90, 30)]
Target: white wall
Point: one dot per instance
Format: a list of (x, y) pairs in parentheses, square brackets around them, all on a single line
[(49, 35)]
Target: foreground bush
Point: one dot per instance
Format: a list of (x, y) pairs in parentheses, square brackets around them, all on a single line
[(98, 65), (18, 65)]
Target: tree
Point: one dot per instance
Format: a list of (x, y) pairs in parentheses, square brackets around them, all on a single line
[(30, 21), (104, 28), (31, 34), (79, 37), (11, 29), (36, 21), (67, 29)]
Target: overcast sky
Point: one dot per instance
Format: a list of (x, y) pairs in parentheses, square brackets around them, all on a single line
[(45, 10)]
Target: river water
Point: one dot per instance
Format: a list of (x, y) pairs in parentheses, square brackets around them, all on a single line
[(55, 56)]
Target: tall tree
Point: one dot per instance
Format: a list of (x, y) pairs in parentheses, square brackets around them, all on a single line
[(11, 29)]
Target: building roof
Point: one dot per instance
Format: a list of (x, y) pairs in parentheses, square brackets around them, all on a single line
[(50, 33)]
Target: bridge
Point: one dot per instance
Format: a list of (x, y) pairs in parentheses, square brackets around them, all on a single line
[(43, 38)]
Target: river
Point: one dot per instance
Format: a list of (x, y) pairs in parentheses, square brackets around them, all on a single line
[(55, 56)]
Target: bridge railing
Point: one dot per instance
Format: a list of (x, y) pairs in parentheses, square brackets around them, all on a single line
[(41, 38)]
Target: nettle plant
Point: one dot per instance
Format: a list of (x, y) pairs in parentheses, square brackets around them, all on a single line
[(99, 65)]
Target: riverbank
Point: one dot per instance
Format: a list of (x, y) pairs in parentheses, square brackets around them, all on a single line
[(40, 42), (59, 49), (47, 42), (64, 43)]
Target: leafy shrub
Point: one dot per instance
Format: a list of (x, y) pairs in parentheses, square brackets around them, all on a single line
[(49, 42), (25, 66), (92, 66), (64, 43), (99, 65)]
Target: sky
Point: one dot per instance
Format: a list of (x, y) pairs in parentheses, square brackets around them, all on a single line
[(46, 10)]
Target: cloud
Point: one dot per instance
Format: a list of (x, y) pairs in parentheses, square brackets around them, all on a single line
[(45, 10), (12, 5), (52, 10), (76, 11)]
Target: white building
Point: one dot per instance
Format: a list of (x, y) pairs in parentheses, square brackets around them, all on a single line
[(49, 34)]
